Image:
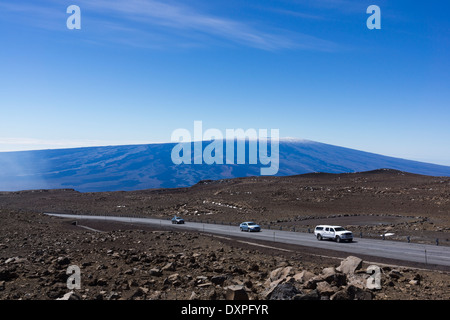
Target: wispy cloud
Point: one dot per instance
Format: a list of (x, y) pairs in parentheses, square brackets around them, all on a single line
[(191, 24), (298, 14), (41, 15), (187, 22), (153, 23)]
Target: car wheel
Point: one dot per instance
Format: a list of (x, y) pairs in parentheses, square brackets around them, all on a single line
[(319, 237), (338, 239), (242, 229)]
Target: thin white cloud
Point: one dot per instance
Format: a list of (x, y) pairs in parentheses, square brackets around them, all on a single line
[(190, 23), (298, 14), (185, 21), (23, 144), (153, 24)]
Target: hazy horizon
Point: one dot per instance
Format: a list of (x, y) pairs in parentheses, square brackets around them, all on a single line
[(112, 144)]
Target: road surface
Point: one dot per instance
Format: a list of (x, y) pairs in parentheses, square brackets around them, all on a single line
[(413, 252)]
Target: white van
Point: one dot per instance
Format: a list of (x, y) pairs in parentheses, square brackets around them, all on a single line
[(336, 233)]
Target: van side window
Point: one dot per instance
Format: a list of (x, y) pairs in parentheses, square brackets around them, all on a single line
[(327, 229)]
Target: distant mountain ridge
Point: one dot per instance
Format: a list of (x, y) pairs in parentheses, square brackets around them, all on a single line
[(135, 167)]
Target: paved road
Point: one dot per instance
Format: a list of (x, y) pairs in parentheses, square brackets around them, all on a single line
[(414, 252)]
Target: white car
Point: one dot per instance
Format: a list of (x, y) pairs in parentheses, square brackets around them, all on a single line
[(336, 233)]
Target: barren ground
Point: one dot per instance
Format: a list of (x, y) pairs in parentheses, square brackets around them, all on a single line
[(136, 262)]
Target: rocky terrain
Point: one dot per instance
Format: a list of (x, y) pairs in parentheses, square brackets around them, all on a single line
[(372, 203), (135, 262), (123, 261)]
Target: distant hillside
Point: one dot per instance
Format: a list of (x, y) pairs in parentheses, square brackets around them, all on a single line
[(136, 167)]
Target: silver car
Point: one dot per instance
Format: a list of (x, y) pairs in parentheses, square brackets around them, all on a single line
[(177, 220), (249, 226)]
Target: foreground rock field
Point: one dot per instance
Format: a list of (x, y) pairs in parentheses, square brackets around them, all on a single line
[(132, 262)]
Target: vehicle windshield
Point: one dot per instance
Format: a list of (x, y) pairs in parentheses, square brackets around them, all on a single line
[(339, 229), (251, 224)]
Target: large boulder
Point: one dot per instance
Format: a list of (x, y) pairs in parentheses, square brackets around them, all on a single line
[(280, 273), (328, 274), (284, 291), (236, 292), (303, 276), (270, 288), (349, 265), (331, 276), (325, 289), (358, 293), (311, 295)]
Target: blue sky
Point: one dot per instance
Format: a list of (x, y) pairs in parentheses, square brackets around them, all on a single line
[(139, 69)]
